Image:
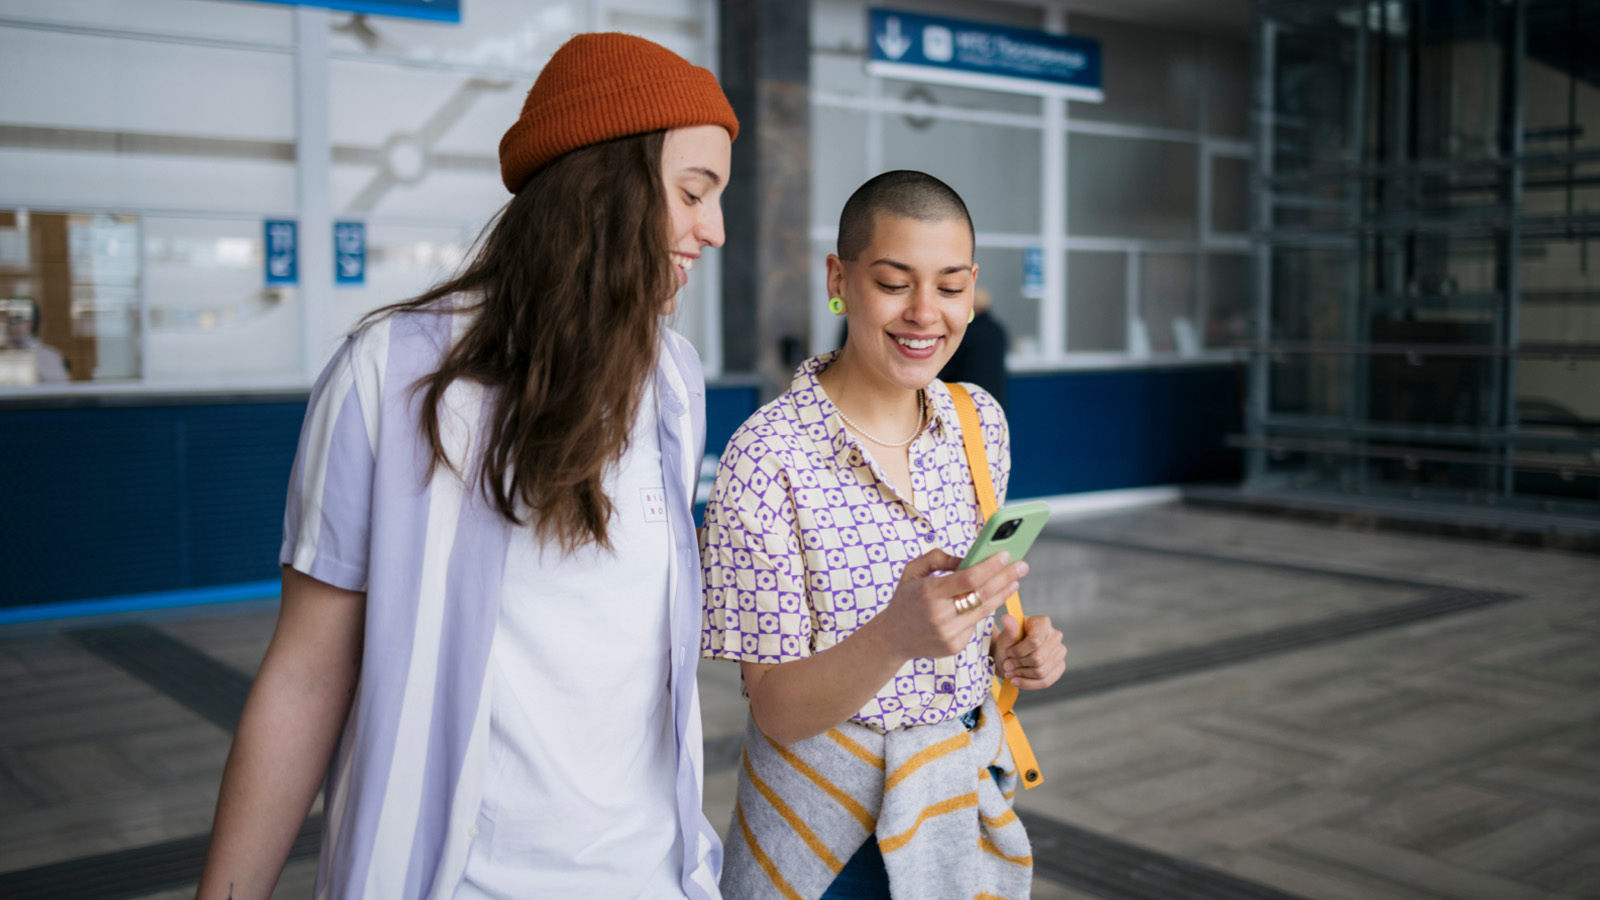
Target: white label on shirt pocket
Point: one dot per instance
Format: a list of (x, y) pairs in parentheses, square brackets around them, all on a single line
[(655, 504)]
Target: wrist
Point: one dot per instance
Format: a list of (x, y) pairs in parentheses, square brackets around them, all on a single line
[(879, 643)]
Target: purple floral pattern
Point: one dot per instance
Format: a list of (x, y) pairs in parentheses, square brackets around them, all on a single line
[(805, 540)]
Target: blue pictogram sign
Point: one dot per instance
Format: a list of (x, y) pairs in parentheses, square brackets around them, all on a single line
[(1033, 272), (974, 54), (434, 10), (349, 253), (283, 252)]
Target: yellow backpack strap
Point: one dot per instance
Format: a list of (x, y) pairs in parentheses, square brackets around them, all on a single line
[(1005, 693)]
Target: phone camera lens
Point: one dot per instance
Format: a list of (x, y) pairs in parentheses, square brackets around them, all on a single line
[(1007, 530)]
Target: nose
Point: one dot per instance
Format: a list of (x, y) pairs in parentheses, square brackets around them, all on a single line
[(923, 307), (708, 231)]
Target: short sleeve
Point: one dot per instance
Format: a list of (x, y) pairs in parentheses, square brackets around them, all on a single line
[(756, 608), (327, 519), (996, 440)]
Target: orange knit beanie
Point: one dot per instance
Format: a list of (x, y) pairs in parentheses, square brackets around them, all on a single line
[(603, 86)]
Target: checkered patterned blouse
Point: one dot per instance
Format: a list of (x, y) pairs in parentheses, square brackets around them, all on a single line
[(805, 540)]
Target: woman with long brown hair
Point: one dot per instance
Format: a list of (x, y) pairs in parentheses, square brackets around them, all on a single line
[(490, 580)]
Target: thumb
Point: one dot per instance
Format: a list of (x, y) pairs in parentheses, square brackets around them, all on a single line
[(1010, 632)]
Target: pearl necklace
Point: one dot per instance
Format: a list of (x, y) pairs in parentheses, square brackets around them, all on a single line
[(922, 419)]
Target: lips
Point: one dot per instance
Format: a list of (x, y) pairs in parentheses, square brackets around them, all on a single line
[(684, 263), (916, 346)]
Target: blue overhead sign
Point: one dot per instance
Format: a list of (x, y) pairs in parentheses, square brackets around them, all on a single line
[(283, 252), (349, 253), (974, 54), (435, 10)]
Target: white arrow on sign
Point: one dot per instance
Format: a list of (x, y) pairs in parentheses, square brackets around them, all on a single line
[(894, 43)]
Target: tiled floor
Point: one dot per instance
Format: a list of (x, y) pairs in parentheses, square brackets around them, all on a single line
[(1455, 757)]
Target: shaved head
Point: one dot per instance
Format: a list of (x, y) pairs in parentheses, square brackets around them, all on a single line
[(904, 193)]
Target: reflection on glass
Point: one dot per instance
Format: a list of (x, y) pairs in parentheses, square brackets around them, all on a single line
[(1127, 187), (1227, 72), (839, 160), (994, 168), (1229, 300), (1097, 302), (1230, 195), (1152, 75), (1167, 302)]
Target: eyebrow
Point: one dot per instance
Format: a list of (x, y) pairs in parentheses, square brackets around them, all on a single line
[(947, 270), (714, 178)]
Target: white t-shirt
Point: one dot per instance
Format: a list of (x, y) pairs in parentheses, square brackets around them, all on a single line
[(579, 798)]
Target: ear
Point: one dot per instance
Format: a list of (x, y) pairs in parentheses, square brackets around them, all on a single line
[(836, 276)]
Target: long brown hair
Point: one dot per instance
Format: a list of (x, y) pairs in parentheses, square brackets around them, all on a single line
[(568, 287)]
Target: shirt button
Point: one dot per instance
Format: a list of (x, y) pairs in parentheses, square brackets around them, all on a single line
[(472, 830)]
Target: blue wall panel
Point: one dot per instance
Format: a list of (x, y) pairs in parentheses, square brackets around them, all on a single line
[(104, 502), (1095, 431), (111, 501)]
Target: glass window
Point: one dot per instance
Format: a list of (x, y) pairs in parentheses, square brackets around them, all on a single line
[(1000, 272), (1227, 87), (994, 168), (1167, 302), (1310, 287), (1097, 302), (838, 162), (211, 315), (1230, 195), (1151, 76), (1126, 187), (72, 285), (1229, 300)]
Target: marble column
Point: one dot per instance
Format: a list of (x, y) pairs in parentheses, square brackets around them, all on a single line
[(765, 49)]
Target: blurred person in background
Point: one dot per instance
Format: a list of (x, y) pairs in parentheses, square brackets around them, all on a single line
[(490, 574), (22, 333), (981, 356)]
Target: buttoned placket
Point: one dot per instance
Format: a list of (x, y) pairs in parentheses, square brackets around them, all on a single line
[(920, 460)]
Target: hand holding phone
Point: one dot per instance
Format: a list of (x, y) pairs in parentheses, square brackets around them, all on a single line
[(1012, 529)]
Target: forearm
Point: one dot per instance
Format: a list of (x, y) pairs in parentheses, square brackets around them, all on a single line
[(285, 740), (287, 734), (804, 698)]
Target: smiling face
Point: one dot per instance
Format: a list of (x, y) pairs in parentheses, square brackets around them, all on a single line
[(908, 296), (694, 166)]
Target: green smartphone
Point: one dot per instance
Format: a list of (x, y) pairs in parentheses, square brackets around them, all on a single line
[(1012, 529)]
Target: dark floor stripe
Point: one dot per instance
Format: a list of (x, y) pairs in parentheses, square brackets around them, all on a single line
[(1115, 870), (214, 691), (1232, 651), (1073, 537), (132, 873)]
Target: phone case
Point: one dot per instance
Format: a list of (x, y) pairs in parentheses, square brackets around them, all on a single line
[(1031, 519)]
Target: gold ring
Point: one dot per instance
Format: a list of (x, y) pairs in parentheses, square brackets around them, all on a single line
[(968, 602)]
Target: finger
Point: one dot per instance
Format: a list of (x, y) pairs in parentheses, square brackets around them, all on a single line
[(1000, 587), (1006, 636), (934, 560), (1037, 641)]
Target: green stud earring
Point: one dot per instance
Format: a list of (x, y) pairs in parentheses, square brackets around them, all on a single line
[(971, 314), (836, 305)]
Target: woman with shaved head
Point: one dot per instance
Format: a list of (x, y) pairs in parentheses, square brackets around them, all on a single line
[(839, 515)]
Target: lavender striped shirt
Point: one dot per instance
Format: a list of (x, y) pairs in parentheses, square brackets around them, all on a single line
[(805, 540), (405, 786)]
